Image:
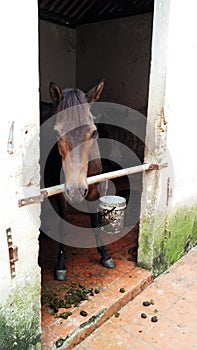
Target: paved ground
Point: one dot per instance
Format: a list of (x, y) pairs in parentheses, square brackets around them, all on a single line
[(173, 297)]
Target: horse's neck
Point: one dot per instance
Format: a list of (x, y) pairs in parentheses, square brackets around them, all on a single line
[(46, 111)]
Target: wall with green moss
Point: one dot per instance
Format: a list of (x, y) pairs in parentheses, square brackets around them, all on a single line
[(20, 319), (165, 238)]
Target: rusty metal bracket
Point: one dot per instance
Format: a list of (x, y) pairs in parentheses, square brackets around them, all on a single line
[(158, 166), (13, 252), (30, 200)]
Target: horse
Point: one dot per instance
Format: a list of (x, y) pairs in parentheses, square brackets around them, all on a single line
[(75, 151)]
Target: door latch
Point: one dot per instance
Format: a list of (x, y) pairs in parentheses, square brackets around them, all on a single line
[(13, 252)]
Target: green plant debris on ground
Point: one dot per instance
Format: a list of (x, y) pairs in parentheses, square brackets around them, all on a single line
[(65, 315), (92, 319)]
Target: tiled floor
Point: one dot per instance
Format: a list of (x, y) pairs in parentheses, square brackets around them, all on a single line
[(174, 295)]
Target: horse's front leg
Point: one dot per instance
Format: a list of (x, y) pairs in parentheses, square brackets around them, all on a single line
[(106, 259), (60, 268)]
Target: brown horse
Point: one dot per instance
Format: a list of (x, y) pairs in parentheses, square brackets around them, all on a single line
[(76, 152)]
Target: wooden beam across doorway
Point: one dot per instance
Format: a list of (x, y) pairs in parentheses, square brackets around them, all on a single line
[(51, 191)]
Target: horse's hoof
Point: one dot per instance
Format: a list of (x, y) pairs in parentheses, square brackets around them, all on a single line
[(132, 250), (108, 263), (60, 275)]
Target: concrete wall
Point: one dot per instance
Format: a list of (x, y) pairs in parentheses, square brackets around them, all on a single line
[(20, 295), (169, 216), (57, 56), (119, 51)]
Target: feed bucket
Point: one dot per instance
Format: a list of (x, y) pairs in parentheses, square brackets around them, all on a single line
[(111, 213)]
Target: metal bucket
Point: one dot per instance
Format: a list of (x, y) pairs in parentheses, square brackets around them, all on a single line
[(111, 213)]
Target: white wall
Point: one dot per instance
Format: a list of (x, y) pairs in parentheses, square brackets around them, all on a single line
[(57, 56), (19, 92), (119, 51), (19, 168), (169, 198), (180, 100)]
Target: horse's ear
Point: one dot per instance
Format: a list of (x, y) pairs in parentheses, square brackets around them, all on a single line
[(55, 92), (94, 94)]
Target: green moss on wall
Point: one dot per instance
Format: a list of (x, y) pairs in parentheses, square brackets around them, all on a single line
[(20, 320), (145, 253), (163, 240), (181, 232)]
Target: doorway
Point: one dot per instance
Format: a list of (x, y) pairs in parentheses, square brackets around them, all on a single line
[(78, 53)]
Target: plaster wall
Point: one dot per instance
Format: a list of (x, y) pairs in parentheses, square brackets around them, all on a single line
[(20, 295), (119, 51), (180, 101), (168, 225), (57, 57)]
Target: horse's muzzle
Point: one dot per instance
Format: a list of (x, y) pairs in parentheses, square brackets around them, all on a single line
[(76, 194)]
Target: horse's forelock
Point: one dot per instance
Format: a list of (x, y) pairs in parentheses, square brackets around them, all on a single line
[(73, 97), (73, 111), (77, 114)]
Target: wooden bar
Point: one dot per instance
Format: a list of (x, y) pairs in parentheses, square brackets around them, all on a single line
[(51, 191)]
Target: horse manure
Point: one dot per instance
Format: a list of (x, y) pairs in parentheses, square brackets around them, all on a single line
[(117, 314), (152, 302), (96, 291), (154, 319), (67, 306), (146, 303), (122, 290), (130, 258), (59, 342), (56, 304), (74, 295), (143, 315), (65, 315), (83, 313), (50, 311)]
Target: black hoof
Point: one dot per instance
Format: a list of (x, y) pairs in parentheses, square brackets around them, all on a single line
[(60, 275), (110, 264), (132, 250)]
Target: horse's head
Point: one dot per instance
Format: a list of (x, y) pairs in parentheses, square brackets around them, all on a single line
[(76, 136)]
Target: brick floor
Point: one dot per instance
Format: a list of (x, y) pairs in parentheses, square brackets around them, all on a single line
[(84, 269), (175, 304)]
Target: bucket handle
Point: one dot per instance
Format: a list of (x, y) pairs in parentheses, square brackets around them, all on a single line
[(107, 212)]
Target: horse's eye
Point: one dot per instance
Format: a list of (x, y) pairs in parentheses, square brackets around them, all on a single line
[(94, 134)]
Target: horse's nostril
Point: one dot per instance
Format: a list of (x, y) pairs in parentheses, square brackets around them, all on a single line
[(75, 193), (84, 191)]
